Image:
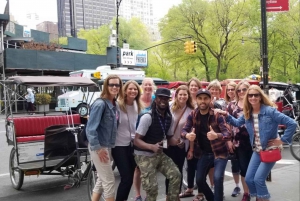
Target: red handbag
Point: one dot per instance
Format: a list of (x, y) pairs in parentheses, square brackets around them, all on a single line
[(270, 156)]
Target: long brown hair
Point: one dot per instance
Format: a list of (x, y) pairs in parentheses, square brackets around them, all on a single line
[(195, 80), (232, 84), (105, 92), (264, 100), (122, 102), (242, 82), (189, 102)]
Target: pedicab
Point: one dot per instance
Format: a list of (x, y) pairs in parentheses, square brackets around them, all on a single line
[(45, 144)]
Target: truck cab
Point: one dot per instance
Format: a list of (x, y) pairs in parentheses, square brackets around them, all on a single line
[(79, 99)]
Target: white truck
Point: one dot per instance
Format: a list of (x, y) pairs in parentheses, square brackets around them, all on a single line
[(80, 98)]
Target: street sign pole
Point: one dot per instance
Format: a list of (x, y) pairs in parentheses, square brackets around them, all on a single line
[(264, 42), (264, 46)]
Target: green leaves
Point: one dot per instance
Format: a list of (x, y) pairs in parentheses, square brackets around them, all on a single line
[(133, 31)]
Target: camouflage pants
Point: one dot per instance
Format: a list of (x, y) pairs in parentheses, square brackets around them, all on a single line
[(149, 165)]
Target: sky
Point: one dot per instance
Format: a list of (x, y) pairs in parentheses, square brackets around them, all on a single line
[(47, 9)]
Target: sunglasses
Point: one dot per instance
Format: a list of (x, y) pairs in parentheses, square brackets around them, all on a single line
[(230, 89), (114, 85), (241, 90), (253, 95)]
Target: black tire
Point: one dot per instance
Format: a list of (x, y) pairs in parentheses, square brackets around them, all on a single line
[(295, 146), (91, 180), (16, 175), (82, 110), (90, 183), (184, 177)]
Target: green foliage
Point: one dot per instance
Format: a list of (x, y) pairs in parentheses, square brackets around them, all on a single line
[(42, 99), (133, 31), (63, 40), (219, 27)]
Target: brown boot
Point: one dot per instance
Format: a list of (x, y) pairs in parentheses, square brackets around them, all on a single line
[(167, 199)]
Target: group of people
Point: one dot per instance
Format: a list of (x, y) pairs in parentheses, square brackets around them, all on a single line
[(148, 132)]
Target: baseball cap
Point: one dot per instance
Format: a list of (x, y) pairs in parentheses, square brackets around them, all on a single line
[(163, 92), (203, 91)]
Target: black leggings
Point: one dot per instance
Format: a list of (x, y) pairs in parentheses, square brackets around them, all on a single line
[(178, 156), (125, 163)]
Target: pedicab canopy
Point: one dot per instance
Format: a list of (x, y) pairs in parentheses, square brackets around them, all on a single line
[(42, 81)]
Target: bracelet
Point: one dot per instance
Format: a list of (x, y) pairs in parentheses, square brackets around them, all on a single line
[(191, 150)]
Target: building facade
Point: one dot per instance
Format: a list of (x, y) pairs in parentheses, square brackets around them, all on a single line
[(142, 9), (87, 14), (49, 27)]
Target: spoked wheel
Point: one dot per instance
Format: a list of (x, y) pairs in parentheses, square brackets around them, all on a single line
[(16, 175), (91, 181), (184, 176), (295, 146)]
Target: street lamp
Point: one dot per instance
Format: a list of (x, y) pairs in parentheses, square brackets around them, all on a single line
[(118, 2)]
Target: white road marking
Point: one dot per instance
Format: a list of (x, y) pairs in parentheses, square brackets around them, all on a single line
[(229, 174), (3, 175), (284, 161)]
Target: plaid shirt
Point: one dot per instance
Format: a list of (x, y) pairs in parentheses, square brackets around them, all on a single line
[(219, 125)]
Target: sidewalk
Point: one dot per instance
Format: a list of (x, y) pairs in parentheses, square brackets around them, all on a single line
[(283, 187)]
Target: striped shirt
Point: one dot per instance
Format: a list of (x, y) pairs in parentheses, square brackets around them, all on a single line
[(257, 144)]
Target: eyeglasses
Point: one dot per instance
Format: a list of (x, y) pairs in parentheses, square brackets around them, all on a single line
[(240, 90), (230, 89), (114, 85), (253, 95)]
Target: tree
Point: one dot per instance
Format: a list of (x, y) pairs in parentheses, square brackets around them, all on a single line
[(214, 25), (133, 31)]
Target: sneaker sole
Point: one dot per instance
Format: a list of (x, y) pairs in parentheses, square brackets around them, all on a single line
[(235, 195)]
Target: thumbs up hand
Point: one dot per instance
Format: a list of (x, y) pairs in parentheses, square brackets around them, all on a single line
[(212, 135), (191, 136)]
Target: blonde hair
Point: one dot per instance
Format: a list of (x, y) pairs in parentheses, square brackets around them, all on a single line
[(242, 82), (215, 84), (232, 84), (189, 102), (264, 100), (122, 102), (148, 79), (195, 80), (105, 92)]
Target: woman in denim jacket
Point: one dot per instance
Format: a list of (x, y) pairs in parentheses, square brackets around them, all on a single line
[(101, 133), (261, 120)]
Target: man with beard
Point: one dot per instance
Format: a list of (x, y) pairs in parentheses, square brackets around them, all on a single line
[(210, 135), (152, 135)]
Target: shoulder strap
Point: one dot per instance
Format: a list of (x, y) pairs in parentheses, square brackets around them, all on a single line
[(179, 119)]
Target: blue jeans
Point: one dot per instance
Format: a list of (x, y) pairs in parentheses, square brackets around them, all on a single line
[(206, 162), (256, 177)]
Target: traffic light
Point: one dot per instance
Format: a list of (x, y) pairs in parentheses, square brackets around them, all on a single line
[(193, 47), (187, 47), (190, 47)]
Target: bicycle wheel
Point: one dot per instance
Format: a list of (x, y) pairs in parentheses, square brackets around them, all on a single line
[(184, 176), (295, 146), (91, 180), (16, 175)]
